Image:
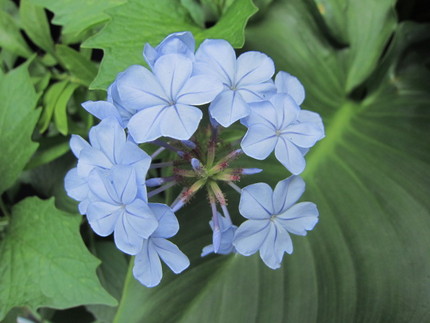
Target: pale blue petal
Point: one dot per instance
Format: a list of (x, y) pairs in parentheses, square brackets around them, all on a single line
[(257, 92), (131, 154), (288, 84), (287, 110), (138, 89), (200, 89), (141, 218), (102, 188), (103, 110), (76, 186), (127, 239), (89, 159), (277, 242), (299, 218), (228, 107), (147, 266), (77, 143), (314, 119), (180, 121), (150, 54), (125, 183), (253, 68), (216, 57), (113, 96), (290, 156), (168, 224), (171, 255), (304, 135), (259, 141), (287, 192), (227, 236), (250, 235), (207, 250), (262, 112), (144, 126), (173, 71), (256, 202), (103, 217)]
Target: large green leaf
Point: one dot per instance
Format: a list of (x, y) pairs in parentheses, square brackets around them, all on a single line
[(367, 260), (77, 16), (43, 261), (137, 22), (18, 118)]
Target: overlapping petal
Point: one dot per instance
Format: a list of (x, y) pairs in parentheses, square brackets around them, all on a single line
[(287, 192), (253, 68), (259, 141), (299, 218), (289, 84), (256, 202), (250, 235), (290, 156), (276, 243), (228, 107), (147, 265)]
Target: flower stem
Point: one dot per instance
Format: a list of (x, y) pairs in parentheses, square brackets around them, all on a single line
[(161, 189)]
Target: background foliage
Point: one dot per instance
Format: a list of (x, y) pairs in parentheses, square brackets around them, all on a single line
[(365, 67)]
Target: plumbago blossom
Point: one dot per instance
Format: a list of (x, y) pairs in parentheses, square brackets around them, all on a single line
[(161, 109)]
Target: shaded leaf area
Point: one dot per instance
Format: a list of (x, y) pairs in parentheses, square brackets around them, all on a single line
[(77, 17), (367, 259), (18, 118), (43, 261), (132, 26)]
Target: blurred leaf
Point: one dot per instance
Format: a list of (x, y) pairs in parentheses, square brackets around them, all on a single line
[(77, 16), (79, 66), (35, 24), (367, 259), (50, 148), (11, 38), (60, 111), (132, 26), (112, 273), (50, 99), (18, 118), (43, 261)]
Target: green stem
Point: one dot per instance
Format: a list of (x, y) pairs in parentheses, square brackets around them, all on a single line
[(4, 210), (127, 281)]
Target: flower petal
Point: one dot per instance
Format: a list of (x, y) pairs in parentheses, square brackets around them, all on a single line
[(256, 202), (289, 84), (124, 181), (127, 239), (200, 89), (216, 57), (180, 121), (144, 126), (253, 67), (304, 134), (77, 144), (102, 188), (257, 92), (103, 110), (259, 141), (141, 218), (168, 224), (287, 192), (172, 72), (138, 88), (299, 218), (287, 110), (290, 156), (314, 118), (76, 186), (277, 242), (228, 107), (103, 217), (147, 265), (250, 236), (171, 255)]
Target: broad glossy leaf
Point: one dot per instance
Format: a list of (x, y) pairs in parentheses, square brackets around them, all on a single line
[(18, 118), (44, 262), (10, 36), (132, 26), (77, 16), (367, 259)]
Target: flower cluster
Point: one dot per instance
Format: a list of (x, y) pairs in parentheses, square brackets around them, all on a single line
[(163, 107)]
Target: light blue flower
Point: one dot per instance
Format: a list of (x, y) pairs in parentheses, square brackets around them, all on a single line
[(108, 147), (165, 98), (177, 43), (147, 265), (272, 215), (117, 205), (227, 233), (246, 79), (289, 84), (280, 125)]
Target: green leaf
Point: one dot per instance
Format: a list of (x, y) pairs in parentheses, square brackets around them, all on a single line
[(43, 261), (35, 24), (132, 26), (60, 111), (367, 259), (79, 66), (77, 16), (18, 118), (50, 99), (10, 37)]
